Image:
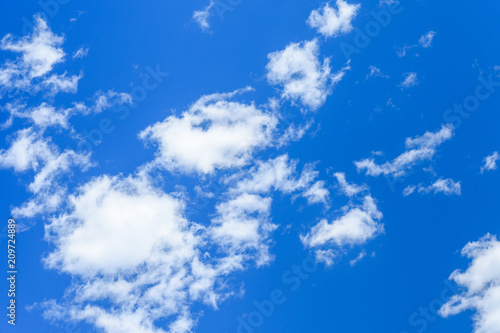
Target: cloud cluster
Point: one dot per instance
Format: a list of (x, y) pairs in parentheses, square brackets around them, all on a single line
[(243, 218), (126, 243), (31, 151), (31, 148), (149, 261), (134, 255)]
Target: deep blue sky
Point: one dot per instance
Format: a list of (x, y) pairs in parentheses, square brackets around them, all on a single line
[(424, 233)]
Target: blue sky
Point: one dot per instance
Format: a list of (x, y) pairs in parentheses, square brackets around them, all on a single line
[(246, 166)]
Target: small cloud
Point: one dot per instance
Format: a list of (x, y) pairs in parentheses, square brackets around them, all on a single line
[(426, 40), (420, 148), (401, 52), (490, 162), (387, 2), (80, 13), (302, 74), (391, 103), (81, 52), (409, 81), (201, 17), (409, 190), (358, 258), (332, 22), (375, 72), (445, 186), (347, 188), (326, 256)]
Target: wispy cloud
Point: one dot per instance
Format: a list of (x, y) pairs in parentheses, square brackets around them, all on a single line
[(81, 52), (410, 80), (375, 72), (201, 16), (426, 40), (446, 186), (419, 148)]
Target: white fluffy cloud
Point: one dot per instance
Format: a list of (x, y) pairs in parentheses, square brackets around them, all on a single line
[(490, 162), (418, 149), (330, 22), (114, 226), (40, 52), (481, 282), (215, 133), (358, 222), (300, 73), (46, 115), (27, 151), (357, 225), (126, 243), (243, 227), (317, 193)]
